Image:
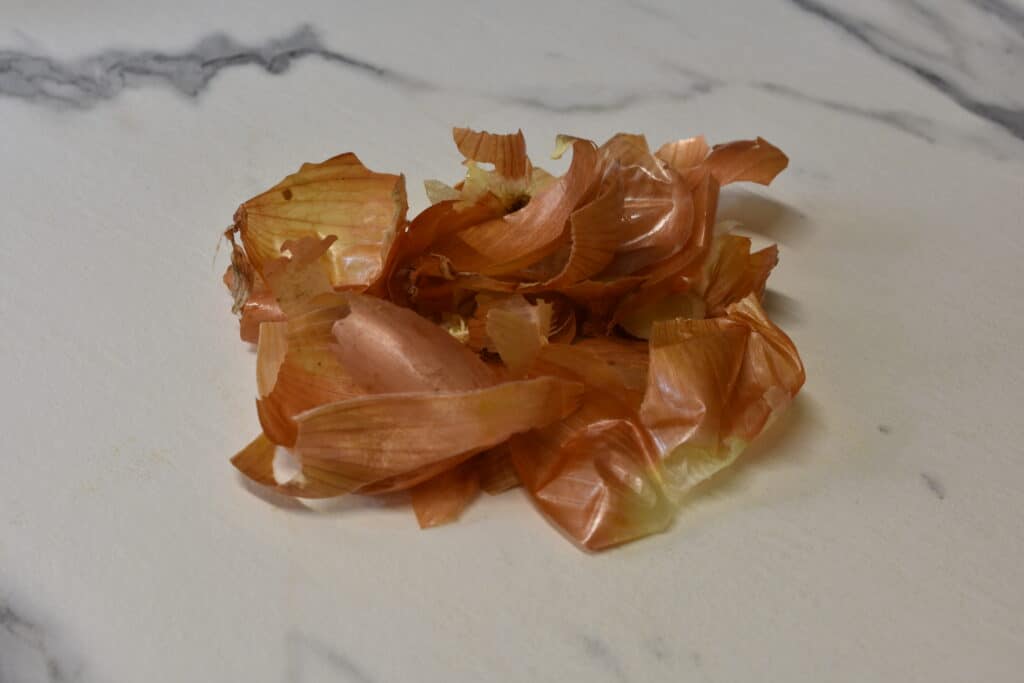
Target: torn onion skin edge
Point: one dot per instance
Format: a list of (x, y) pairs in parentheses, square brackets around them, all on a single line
[(593, 339)]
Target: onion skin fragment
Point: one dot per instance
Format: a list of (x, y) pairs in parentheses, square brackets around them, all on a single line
[(507, 244), (256, 461), (506, 152), (713, 385), (387, 349), (594, 474), (517, 330), (373, 438), (497, 473), (755, 161), (339, 197), (442, 499)]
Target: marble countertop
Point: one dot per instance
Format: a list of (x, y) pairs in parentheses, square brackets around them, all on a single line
[(878, 537)]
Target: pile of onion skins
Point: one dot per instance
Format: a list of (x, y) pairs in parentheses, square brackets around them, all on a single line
[(592, 337)]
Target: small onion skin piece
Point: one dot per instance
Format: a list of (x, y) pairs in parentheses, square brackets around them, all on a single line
[(256, 461), (497, 473), (755, 161), (607, 491), (339, 197), (518, 330), (595, 475), (506, 152), (390, 349), (442, 499), (713, 385)]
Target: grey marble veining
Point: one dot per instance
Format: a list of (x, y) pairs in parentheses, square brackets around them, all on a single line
[(104, 75), (940, 47), (597, 98), (26, 653), (309, 659), (601, 654), (973, 52), (934, 485), (907, 122), (1004, 11), (910, 123)]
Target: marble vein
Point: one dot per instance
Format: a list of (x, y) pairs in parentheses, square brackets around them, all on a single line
[(906, 122), (29, 646), (103, 76), (682, 84), (934, 485), (306, 655), (570, 102), (653, 11), (599, 651), (953, 59), (1003, 11), (915, 125)]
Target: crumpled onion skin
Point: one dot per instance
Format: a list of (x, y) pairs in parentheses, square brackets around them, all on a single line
[(339, 197), (732, 272), (588, 337), (604, 489), (504, 245), (712, 387), (308, 373)]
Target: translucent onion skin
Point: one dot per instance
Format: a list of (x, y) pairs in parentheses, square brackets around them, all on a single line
[(589, 338)]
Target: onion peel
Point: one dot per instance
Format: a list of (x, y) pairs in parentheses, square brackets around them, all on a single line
[(442, 498), (370, 438), (339, 197), (588, 337), (712, 387)]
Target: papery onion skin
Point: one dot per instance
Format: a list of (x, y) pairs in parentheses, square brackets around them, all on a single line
[(712, 387), (755, 161), (506, 152), (373, 438), (256, 461), (607, 491), (497, 473), (390, 349), (309, 374), (588, 337), (442, 499), (518, 330), (339, 197), (595, 475), (507, 244)]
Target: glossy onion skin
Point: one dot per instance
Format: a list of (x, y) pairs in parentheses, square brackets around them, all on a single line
[(592, 338)]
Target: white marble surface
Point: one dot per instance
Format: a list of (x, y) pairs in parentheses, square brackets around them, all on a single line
[(878, 536)]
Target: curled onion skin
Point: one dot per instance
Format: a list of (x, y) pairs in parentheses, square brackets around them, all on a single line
[(587, 338)]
